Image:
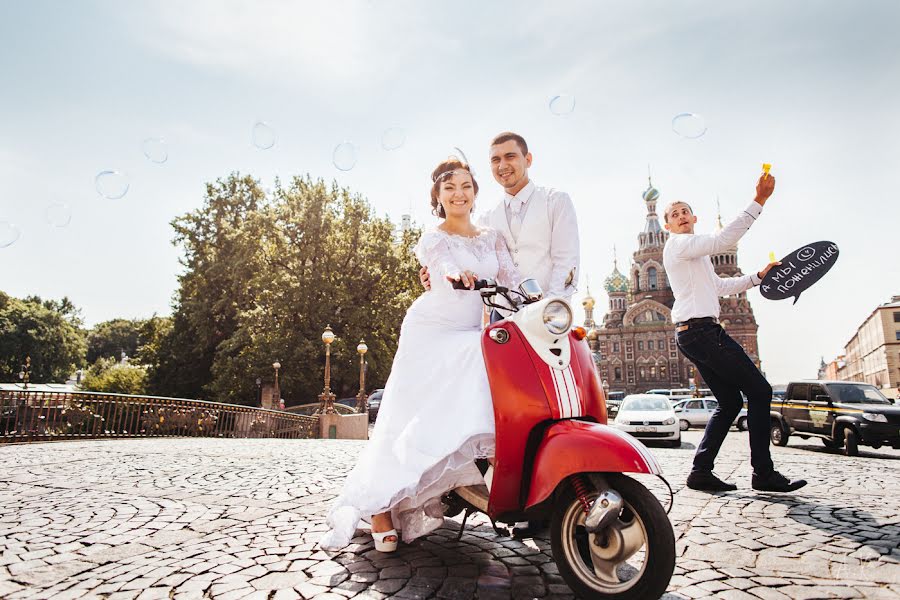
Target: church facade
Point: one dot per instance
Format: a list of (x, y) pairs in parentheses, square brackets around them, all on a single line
[(634, 344)]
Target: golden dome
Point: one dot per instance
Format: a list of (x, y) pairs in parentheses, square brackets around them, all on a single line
[(588, 302)]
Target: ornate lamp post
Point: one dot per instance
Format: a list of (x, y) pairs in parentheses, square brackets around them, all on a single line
[(277, 365), (326, 398), (25, 373), (259, 390), (362, 404)]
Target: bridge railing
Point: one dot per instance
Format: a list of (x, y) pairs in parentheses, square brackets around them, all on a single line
[(27, 416)]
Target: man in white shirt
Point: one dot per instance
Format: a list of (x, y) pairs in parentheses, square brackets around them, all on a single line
[(722, 362)]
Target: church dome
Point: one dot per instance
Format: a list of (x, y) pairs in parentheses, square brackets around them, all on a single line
[(616, 282), (588, 302), (593, 334), (651, 194)]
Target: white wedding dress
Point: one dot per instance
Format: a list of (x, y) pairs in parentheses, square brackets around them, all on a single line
[(436, 414)]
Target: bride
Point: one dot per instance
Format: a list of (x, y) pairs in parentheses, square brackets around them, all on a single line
[(436, 414)]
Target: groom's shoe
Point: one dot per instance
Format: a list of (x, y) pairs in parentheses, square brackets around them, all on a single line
[(776, 482), (705, 481)]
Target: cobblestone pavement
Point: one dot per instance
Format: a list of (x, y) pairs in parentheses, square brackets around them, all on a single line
[(229, 519)]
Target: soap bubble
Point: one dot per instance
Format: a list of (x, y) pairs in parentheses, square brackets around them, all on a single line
[(263, 135), (393, 138), (689, 125), (155, 150), (562, 104), (9, 233), (345, 156), (58, 214), (111, 184)]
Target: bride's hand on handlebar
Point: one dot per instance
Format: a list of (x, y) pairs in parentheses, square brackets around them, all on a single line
[(468, 278)]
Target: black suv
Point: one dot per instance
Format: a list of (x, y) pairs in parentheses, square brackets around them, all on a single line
[(840, 413)]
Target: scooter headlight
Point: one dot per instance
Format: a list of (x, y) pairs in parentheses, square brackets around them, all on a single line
[(557, 317)]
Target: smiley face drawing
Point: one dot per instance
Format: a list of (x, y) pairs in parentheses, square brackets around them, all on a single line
[(806, 253)]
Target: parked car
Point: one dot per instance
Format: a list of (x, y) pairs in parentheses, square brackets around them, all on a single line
[(613, 401), (696, 412), (840, 413), (375, 404), (648, 417)]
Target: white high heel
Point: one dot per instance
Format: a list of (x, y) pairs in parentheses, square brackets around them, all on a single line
[(383, 546)]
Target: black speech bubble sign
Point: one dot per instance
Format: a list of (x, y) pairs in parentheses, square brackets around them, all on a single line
[(799, 270)]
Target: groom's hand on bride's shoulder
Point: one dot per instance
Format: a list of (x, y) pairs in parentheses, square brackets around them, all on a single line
[(425, 278)]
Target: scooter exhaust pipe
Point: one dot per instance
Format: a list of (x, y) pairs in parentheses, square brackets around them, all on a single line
[(605, 510)]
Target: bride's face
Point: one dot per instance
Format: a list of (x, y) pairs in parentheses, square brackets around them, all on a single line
[(457, 194)]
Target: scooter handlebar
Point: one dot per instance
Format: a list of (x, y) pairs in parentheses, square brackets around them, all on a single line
[(479, 284)]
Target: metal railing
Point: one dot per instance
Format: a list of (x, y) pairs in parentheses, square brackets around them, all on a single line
[(27, 416)]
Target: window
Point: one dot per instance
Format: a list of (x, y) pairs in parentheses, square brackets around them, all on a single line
[(653, 372), (896, 317), (618, 374), (642, 373), (662, 371), (897, 333), (712, 404), (816, 390), (800, 392), (693, 405), (651, 275), (640, 345), (649, 344), (661, 344), (615, 346)]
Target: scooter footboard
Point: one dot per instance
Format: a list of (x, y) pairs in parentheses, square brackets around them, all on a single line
[(571, 447)]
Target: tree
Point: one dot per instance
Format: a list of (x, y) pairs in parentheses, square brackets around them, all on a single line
[(112, 338), (264, 277), (112, 377), (48, 331)]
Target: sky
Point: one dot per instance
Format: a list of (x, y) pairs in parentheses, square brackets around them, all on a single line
[(810, 87)]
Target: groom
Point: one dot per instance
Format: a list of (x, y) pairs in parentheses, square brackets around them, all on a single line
[(540, 229)]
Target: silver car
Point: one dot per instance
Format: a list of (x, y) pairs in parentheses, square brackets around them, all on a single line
[(696, 412)]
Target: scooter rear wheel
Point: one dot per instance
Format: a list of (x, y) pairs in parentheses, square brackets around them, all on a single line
[(632, 559)]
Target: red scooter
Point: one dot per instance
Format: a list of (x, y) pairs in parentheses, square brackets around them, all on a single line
[(557, 459)]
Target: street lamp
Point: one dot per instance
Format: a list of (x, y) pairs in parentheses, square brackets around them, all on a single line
[(25, 373), (276, 365), (259, 391), (362, 405), (326, 398), (606, 388)]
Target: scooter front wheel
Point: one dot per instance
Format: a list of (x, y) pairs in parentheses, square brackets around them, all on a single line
[(631, 559)]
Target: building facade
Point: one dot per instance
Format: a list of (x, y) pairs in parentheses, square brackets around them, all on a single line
[(873, 353), (634, 344)]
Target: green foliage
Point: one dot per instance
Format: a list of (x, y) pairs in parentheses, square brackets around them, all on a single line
[(48, 331), (107, 375), (263, 277), (111, 338)]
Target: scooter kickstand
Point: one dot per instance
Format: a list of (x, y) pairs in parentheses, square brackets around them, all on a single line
[(462, 528), (499, 530)]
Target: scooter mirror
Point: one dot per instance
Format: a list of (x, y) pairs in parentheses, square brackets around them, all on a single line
[(531, 290)]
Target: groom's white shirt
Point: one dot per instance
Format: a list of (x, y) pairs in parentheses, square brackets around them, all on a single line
[(546, 247)]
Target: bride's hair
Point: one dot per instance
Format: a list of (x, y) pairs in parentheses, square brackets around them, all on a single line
[(441, 172)]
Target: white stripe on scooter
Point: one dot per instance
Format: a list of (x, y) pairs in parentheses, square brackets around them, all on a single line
[(564, 397), (577, 410), (559, 407)]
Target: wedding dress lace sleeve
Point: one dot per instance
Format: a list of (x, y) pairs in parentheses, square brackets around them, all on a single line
[(507, 275), (433, 251)]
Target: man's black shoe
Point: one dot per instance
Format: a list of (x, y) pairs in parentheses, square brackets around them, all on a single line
[(705, 481), (776, 482)]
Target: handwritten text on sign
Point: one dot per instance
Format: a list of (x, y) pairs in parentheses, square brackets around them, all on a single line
[(799, 270)]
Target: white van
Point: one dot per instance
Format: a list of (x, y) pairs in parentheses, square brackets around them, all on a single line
[(672, 395)]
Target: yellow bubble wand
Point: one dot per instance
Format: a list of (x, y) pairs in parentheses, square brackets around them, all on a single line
[(766, 167)]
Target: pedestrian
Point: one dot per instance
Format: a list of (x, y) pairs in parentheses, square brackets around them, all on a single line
[(721, 361)]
